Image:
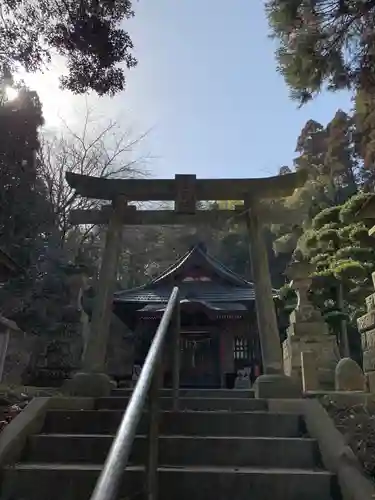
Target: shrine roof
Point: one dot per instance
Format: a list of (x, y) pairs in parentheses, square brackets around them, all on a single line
[(213, 282), (222, 306)]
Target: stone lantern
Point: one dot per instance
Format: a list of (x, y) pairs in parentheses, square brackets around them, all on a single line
[(308, 332), (305, 319)]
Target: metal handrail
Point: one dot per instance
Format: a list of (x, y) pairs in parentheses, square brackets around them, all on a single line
[(117, 459)]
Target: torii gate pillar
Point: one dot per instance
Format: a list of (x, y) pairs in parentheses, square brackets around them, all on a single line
[(265, 307)]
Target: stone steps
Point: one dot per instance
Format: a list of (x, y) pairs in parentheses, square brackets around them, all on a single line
[(196, 393), (204, 423), (179, 450), (212, 448), (191, 403), (76, 482)]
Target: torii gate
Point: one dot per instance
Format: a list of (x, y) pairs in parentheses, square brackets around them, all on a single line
[(185, 191)]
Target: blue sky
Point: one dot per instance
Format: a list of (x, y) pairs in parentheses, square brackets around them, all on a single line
[(207, 85)]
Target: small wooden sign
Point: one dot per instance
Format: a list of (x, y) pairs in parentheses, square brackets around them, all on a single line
[(185, 194)]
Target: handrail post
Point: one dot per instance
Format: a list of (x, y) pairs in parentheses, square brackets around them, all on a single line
[(153, 436), (176, 326)]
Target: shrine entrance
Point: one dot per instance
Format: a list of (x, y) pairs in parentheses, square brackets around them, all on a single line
[(200, 364), (219, 333), (185, 191)]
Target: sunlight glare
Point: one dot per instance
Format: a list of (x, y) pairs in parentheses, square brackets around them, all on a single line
[(11, 93)]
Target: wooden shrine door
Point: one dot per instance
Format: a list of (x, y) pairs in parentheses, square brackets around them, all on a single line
[(200, 364)]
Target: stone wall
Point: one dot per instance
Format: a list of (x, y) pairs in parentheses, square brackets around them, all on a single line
[(366, 327)]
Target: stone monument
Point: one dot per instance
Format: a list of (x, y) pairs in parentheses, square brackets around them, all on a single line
[(308, 331), (349, 376)]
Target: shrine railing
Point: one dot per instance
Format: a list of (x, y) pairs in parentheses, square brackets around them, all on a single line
[(148, 384)]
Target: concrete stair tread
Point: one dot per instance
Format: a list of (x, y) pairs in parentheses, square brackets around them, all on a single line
[(173, 468), (223, 393), (177, 436), (181, 451), (187, 398), (190, 403), (42, 481), (184, 422), (208, 412)]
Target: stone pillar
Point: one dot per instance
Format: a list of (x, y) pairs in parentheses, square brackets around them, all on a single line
[(308, 332), (265, 307), (273, 383), (96, 348), (92, 380)]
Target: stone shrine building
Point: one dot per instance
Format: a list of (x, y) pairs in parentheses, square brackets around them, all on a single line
[(219, 333)]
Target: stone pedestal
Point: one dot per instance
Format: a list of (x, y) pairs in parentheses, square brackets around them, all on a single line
[(308, 332), (366, 327)]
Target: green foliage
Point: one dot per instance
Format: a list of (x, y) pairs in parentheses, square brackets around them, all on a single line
[(351, 252), (286, 293), (335, 317), (328, 234), (349, 210), (88, 33), (327, 216), (323, 43), (364, 139), (349, 270), (358, 232), (342, 252), (286, 243)]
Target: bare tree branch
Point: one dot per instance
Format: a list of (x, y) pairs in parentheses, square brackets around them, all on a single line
[(98, 149)]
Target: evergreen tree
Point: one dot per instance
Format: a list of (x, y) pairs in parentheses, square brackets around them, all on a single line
[(88, 33), (340, 162), (342, 251), (324, 43), (328, 155), (25, 213), (364, 138)]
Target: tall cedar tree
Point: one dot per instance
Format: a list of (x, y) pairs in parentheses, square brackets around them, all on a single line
[(88, 33), (341, 162), (364, 117), (328, 154), (24, 215), (324, 43)]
